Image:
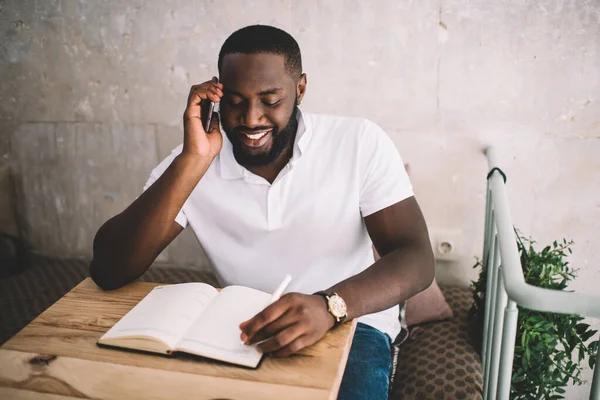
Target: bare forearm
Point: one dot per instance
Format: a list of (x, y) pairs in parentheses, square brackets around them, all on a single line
[(397, 276), (127, 244)]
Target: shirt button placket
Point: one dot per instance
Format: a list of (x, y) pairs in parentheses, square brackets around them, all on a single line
[(274, 207)]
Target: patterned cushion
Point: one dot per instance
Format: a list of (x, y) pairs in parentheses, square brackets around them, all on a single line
[(437, 361), (25, 295)]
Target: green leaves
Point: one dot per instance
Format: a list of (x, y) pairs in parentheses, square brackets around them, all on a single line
[(587, 335), (546, 342), (580, 328)]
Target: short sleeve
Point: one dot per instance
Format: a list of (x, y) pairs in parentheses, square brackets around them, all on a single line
[(181, 218), (384, 179)]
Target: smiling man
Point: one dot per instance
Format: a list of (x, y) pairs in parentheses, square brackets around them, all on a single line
[(284, 192)]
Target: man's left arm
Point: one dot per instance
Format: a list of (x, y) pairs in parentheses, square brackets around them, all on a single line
[(405, 268)]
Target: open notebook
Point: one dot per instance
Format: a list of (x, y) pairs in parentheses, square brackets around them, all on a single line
[(193, 318)]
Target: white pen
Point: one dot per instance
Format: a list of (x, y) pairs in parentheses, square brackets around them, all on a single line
[(275, 296), (279, 291)]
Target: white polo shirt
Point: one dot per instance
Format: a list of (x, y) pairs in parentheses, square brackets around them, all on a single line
[(309, 222)]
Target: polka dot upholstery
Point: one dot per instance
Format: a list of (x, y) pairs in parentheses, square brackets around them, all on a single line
[(437, 360)]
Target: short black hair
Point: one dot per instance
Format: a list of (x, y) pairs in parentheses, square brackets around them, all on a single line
[(255, 39)]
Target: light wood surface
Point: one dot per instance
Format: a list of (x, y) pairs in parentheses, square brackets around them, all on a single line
[(56, 357)]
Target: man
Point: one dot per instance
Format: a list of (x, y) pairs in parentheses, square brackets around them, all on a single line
[(284, 192)]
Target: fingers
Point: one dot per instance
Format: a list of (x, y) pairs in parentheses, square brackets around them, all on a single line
[(210, 90), (216, 89), (213, 93), (283, 339), (270, 330), (262, 319), (215, 80), (294, 347)]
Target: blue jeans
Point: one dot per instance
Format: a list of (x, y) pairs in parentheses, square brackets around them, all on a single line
[(367, 374)]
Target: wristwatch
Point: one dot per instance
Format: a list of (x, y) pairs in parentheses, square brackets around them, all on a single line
[(335, 305)]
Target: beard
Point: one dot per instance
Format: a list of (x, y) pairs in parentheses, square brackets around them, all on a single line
[(280, 140)]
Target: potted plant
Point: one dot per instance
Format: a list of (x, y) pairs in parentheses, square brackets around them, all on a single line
[(549, 347)]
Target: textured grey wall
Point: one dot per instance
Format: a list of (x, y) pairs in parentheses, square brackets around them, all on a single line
[(93, 92)]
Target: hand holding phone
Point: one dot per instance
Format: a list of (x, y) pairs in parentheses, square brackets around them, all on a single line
[(198, 138)]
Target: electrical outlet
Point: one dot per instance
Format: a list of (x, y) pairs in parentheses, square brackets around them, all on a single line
[(448, 244)]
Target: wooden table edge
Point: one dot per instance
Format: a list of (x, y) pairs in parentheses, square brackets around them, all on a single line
[(40, 369), (342, 365)]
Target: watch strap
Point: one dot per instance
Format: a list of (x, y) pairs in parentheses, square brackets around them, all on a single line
[(325, 293)]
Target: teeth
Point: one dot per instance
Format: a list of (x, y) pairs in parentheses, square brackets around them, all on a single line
[(257, 135)]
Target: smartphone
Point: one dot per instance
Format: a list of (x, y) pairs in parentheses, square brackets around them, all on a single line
[(207, 107)]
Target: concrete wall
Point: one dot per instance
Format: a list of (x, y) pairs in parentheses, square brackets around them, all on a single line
[(93, 92)]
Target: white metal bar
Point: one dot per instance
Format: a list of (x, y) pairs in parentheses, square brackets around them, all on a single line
[(509, 334), (489, 292), (500, 304), (487, 231), (595, 391), (490, 301)]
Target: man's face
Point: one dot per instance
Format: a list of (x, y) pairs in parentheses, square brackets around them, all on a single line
[(258, 109)]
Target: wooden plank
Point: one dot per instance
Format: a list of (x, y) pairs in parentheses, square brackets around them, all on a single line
[(87, 379), (337, 381), (19, 394), (72, 326), (296, 370)]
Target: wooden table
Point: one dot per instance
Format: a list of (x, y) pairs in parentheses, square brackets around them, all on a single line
[(56, 357)]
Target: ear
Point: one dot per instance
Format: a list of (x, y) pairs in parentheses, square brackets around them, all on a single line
[(301, 88)]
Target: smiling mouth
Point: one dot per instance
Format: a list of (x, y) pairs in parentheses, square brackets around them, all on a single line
[(258, 135), (256, 138)]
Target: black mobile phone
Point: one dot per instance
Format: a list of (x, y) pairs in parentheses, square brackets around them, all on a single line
[(207, 107)]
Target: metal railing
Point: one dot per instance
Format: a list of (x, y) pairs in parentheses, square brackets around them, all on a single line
[(506, 288)]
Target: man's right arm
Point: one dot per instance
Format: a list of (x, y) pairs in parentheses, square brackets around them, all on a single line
[(127, 244)]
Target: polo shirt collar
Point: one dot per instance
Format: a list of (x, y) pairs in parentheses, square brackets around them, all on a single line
[(229, 167)]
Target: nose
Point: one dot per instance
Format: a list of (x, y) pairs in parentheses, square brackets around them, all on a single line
[(253, 116)]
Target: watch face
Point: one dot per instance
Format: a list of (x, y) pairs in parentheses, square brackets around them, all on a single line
[(337, 305)]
